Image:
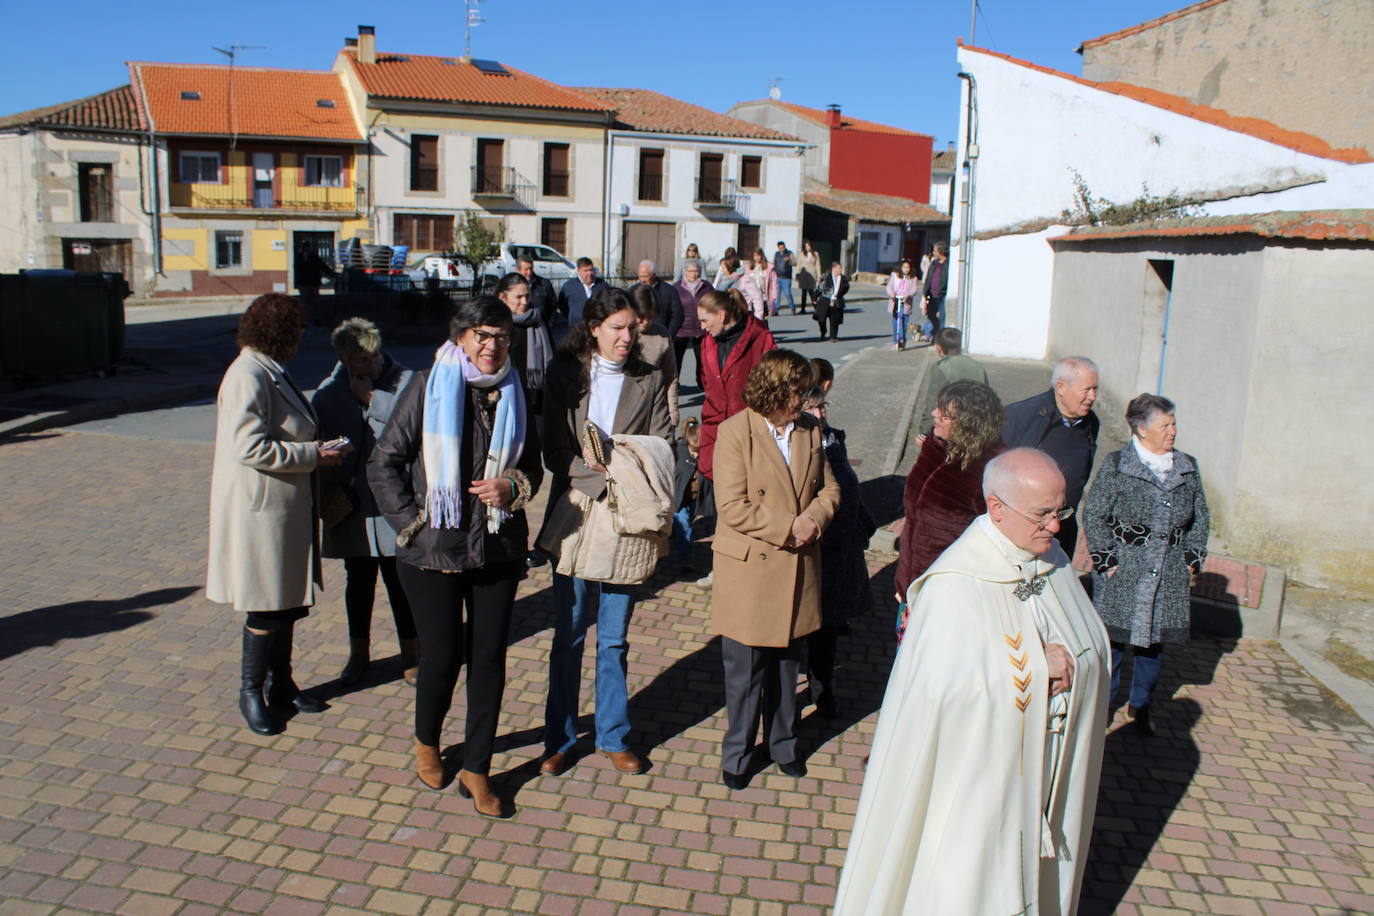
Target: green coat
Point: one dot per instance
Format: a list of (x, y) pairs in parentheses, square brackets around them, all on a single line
[(956, 368)]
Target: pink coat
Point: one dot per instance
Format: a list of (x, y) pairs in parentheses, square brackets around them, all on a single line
[(761, 301), (904, 288)]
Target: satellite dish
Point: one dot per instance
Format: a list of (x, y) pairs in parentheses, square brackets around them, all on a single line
[(775, 92)]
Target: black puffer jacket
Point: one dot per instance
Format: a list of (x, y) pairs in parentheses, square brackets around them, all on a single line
[(396, 473)]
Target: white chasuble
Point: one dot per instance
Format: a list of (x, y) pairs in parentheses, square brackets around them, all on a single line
[(980, 790)]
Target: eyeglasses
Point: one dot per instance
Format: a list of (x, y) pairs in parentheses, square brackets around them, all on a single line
[(937, 414), (486, 337), (1062, 515)]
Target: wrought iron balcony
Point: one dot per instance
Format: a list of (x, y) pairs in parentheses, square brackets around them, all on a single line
[(717, 194)]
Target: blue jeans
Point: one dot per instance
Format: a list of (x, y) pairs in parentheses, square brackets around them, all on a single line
[(1144, 675), (785, 291), (682, 532), (899, 320), (572, 599)]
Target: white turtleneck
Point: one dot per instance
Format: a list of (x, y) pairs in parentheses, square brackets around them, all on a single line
[(607, 378)]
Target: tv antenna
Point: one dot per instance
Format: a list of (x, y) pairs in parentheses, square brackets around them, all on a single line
[(472, 20), (232, 52), (774, 89)]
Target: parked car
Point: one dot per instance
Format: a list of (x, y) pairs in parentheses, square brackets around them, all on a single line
[(548, 263)]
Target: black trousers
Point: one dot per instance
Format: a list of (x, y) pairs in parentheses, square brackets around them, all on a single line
[(449, 638), (833, 317), (680, 345), (272, 621), (820, 662), (760, 683), (360, 586)]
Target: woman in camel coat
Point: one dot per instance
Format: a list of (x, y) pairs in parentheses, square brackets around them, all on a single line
[(774, 496)]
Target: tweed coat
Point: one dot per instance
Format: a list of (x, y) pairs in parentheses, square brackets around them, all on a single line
[(764, 594), (264, 543), (365, 532), (1152, 533)]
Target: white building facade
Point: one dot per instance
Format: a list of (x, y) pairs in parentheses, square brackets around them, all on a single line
[(1036, 128)]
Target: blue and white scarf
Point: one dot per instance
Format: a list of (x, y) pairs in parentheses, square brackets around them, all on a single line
[(446, 401)]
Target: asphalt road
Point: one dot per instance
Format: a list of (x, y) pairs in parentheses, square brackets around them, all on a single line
[(866, 324)]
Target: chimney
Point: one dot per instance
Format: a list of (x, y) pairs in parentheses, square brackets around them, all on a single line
[(367, 44), (832, 116), (350, 42)]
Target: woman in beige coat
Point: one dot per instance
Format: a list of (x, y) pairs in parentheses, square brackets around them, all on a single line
[(264, 549), (774, 497)]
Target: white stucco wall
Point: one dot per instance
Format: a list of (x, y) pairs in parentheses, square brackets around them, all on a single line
[(775, 208), (1268, 360), (1034, 127)]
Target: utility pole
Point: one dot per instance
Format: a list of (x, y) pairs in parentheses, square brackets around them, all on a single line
[(972, 21), (231, 53)]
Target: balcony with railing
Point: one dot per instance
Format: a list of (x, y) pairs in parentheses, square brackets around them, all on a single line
[(503, 183), (280, 198), (718, 194)]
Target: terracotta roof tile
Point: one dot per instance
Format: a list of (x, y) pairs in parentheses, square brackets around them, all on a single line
[(1150, 24), (267, 102), (1255, 127), (112, 110), (643, 109), (449, 79), (1314, 225), (880, 208), (820, 117)]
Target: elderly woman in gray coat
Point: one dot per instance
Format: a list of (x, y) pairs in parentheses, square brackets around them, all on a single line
[(356, 401), (1146, 522)]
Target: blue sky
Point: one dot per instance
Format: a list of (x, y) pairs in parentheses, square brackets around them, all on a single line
[(886, 60)]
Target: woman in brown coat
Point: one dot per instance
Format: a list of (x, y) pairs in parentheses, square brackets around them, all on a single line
[(774, 496)]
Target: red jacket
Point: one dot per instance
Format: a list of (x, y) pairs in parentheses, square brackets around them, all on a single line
[(725, 387)]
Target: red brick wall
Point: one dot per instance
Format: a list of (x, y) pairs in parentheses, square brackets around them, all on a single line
[(880, 163), (204, 283)]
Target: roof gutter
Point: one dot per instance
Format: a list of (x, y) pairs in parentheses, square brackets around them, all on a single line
[(706, 138)]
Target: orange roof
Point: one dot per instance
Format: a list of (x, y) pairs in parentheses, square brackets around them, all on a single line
[(267, 102), (1254, 127), (449, 79), (1314, 225), (878, 208), (1150, 24), (643, 109), (113, 111), (846, 122)]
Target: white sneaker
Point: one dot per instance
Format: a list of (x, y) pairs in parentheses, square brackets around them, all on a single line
[(706, 580)]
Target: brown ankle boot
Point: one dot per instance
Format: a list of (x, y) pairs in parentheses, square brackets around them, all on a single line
[(428, 766), (477, 786), (410, 660)]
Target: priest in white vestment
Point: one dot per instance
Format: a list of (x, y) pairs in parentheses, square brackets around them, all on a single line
[(982, 782)]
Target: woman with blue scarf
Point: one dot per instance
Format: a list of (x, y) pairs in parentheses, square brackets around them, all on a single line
[(452, 473)]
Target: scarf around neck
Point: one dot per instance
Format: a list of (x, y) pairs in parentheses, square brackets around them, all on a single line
[(538, 348), (446, 402), (1159, 465)]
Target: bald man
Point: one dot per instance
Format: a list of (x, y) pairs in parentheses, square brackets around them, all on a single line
[(982, 783)]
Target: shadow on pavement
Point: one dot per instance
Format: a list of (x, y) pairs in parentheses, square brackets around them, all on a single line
[(1144, 779), (46, 626), (863, 661), (883, 497)]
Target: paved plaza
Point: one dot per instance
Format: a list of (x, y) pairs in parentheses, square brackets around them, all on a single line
[(129, 784)]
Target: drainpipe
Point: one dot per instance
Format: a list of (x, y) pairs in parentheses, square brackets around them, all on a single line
[(608, 155), (966, 219), (157, 182)]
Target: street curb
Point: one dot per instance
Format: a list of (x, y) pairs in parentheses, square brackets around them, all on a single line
[(1356, 693), (108, 407), (884, 539)]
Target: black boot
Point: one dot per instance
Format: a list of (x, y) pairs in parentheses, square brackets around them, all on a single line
[(281, 689), (251, 702)]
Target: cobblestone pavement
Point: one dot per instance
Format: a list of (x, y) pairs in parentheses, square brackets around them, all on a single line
[(129, 784)]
